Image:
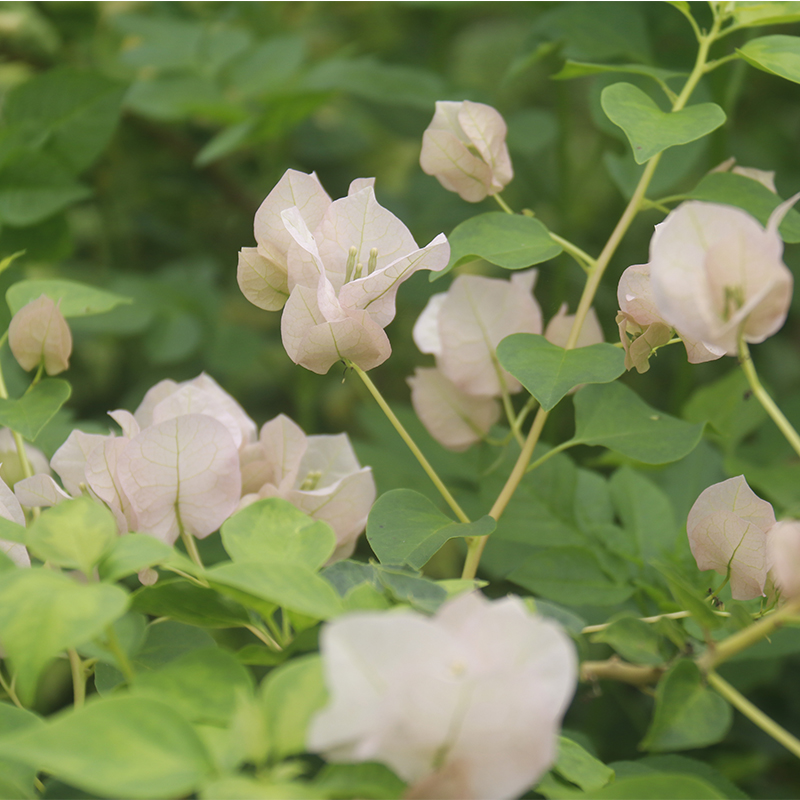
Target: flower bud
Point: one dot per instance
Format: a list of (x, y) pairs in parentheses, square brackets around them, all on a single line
[(464, 148), (39, 333), (783, 556)]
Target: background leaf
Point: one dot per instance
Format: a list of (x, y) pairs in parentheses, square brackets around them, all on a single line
[(30, 413), (779, 55)]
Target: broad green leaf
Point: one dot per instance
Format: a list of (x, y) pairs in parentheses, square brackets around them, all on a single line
[(418, 591), (779, 55), (748, 15), (225, 142), (569, 575), (567, 619), (42, 613), (286, 584), (16, 779), (688, 714), (614, 416), (31, 412), (75, 112), (34, 186), (290, 696), (634, 640), (169, 98), (688, 598), (511, 241), (368, 779), (657, 786), (240, 785), (201, 685), (579, 69), (580, 767), (77, 299), (749, 195), (274, 530), (267, 68), (651, 130), (187, 602), (132, 553), (550, 372), (126, 747), (404, 527), (130, 630), (75, 534)]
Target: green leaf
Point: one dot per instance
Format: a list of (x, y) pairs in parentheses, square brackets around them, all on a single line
[(368, 779), (569, 575), (418, 591), (580, 69), (75, 534), (16, 780), (688, 597), (75, 112), (130, 630), (749, 195), (77, 299), (779, 55), (404, 527), (657, 786), (614, 416), (132, 553), (286, 584), (634, 640), (651, 130), (42, 613), (127, 747), (200, 685), (30, 413), (187, 602), (34, 186), (749, 15), (274, 530), (550, 372), (580, 767), (291, 695), (511, 241), (687, 714)]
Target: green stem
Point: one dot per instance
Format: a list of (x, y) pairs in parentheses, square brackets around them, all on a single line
[(78, 678), (264, 637), (502, 203), (585, 261), (754, 714), (549, 454), (412, 445), (786, 427), (650, 620), (119, 654), (191, 546), (718, 652), (8, 688)]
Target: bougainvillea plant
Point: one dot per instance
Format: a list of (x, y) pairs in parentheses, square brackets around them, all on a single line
[(360, 667)]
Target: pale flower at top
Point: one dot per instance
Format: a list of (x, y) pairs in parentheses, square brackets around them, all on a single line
[(344, 261), (39, 334), (464, 705), (319, 475), (716, 274), (465, 149), (783, 557)]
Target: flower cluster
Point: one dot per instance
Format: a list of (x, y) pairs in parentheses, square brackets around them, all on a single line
[(185, 457), (457, 400), (733, 531), (334, 267), (466, 704), (714, 275)]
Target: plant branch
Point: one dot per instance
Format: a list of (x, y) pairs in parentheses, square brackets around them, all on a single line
[(614, 669), (78, 678)]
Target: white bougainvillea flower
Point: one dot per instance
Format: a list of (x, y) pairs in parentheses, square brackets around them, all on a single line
[(466, 704), (10, 509), (455, 419), (38, 334), (69, 461), (764, 177), (319, 475), (182, 473), (262, 271), (560, 326), (727, 529), (642, 329), (716, 272), (344, 277), (201, 395), (465, 149), (10, 467), (463, 327), (40, 491), (783, 557)]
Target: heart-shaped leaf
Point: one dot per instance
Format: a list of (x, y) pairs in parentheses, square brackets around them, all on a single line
[(549, 372), (614, 416), (688, 714), (404, 527), (651, 130), (31, 412), (510, 241), (77, 299), (779, 55)]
